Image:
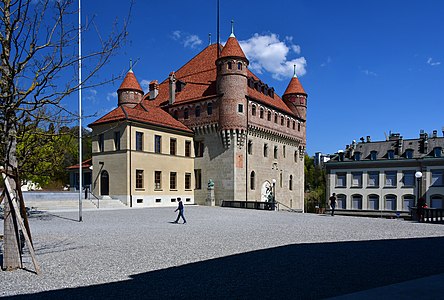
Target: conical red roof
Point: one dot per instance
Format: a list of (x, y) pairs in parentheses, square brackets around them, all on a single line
[(232, 48), (295, 87), (130, 82)]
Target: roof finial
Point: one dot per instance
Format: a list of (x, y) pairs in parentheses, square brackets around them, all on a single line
[(131, 65), (209, 39), (294, 72), (232, 29)]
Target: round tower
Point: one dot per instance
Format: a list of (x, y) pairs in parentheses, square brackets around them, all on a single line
[(129, 93), (232, 85), (296, 98)]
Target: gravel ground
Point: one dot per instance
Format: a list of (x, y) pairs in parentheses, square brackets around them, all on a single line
[(220, 252)]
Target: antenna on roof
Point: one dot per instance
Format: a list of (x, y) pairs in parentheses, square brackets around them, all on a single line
[(294, 72), (218, 30)]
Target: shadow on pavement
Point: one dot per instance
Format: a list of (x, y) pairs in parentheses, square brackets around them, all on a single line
[(303, 271)]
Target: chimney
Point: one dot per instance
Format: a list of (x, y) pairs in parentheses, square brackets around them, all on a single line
[(154, 89), (172, 88), (368, 139), (435, 134), (400, 146)]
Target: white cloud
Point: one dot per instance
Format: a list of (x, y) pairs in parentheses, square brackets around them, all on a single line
[(324, 64), (145, 84), (369, 73), (268, 53), (90, 95), (433, 63), (111, 96), (186, 39)]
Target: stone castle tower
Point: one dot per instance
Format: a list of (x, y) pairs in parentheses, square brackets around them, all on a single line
[(129, 93)]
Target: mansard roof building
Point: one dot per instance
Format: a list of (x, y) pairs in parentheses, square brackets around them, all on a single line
[(388, 176), (212, 120)]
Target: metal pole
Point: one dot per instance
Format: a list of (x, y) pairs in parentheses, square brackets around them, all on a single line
[(80, 115)]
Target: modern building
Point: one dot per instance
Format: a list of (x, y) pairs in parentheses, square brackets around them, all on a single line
[(212, 120), (388, 176)]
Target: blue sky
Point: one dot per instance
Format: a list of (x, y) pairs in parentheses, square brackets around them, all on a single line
[(369, 67)]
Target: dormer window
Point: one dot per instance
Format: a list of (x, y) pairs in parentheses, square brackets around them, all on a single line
[(341, 156), (409, 153), (391, 154), (437, 151), (373, 155), (357, 156)]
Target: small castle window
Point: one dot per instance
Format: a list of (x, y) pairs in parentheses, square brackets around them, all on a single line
[(197, 112), (175, 114), (253, 110), (261, 113), (210, 109), (239, 66), (373, 155), (240, 108), (275, 117), (282, 121), (299, 126), (269, 116), (229, 65), (186, 114), (288, 123), (294, 124)]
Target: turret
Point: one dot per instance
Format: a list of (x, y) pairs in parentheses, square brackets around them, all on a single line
[(232, 86), (296, 98), (129, 93)]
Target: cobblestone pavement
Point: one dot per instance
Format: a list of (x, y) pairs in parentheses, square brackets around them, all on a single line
[(220, 253)]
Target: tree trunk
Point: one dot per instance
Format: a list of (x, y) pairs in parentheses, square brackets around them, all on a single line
[(11, 256)]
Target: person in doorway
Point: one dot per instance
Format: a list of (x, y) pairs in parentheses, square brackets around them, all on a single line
[(333, 203), (180, 209)]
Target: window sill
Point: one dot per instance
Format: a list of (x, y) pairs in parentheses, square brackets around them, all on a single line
[(373, 187), (140, 189), (158, 190), (173, 190)]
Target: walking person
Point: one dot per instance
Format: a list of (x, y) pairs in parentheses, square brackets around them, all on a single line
[(180, 209), (333, 203)]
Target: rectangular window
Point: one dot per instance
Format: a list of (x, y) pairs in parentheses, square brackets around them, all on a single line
[(356, 179), (198, 149), (250, 147), (265, 150), (139, 141), (390, 179), (408, 178), (139, 179), (101, 142), (117, 140), (198, 179), (173, 180), (240, 108), (172, 146), (157, 144), (341, 179), (188, 181), (275, 152), (437, 178), (373, 179), (157, 180), (187, 148)]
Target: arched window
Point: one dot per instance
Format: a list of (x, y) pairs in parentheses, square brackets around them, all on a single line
[(408, 202), (252, 180), (253, 110), (296, 156), (373, 202), (275, 117), (261, 113), (299, 126), (186, 114), (197, 112), (265, 150), (229, 65), (294, 124), (239, 66), (290, 183), (282, 121), (288, 123), (175, 114), (250, 147), (275, 152), (356, 202), (269, 116), (341, 201), (210, 109), (390, 202)]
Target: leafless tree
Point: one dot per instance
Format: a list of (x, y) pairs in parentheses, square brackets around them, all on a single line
[(39, 62)]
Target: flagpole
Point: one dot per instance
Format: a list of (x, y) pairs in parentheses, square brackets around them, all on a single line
[(80, 115)]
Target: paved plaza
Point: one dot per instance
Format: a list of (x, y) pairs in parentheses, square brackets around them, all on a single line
[(227, 253)]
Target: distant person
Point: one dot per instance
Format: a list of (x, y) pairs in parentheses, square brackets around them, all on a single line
[(422, 204), (180, 209), (333, 203)]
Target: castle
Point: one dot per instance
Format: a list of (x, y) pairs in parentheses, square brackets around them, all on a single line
[(211, 121)]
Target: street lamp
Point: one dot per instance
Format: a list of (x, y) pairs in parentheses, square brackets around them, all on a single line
[(418, 176), (274, 194)]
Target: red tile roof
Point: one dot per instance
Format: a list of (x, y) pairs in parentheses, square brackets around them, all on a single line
[(141, 113), (85, 165), (130, 82), (232, 48), (295, 87)]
